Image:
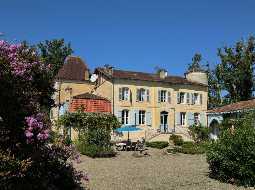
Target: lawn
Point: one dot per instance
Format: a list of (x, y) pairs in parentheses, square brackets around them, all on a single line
[(158, 171)]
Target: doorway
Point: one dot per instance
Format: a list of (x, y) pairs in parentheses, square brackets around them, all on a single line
[(163, 122)]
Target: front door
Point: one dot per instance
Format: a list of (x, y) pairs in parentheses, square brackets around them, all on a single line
[(163, 122)]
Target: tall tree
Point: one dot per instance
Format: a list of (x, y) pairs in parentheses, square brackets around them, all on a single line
[(214, 90), (54, 52), (235, 72), (196, 63)]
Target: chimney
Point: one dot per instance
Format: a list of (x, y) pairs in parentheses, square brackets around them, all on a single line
[(162, 73), (108, 69)]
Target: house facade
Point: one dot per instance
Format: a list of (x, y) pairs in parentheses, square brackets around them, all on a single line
[(71, 80), (155, 102)]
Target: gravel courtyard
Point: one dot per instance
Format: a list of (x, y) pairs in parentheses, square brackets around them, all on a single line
[(158, 171)]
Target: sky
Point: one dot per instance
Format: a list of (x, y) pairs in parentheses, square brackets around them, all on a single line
[(132, 34)]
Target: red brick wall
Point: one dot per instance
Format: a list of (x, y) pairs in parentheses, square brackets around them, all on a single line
[(91, 105)]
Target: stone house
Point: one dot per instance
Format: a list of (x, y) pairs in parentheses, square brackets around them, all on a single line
[(156, 103)]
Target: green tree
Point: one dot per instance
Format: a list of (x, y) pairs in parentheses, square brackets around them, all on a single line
[(214, 90), (235, 72), (54, 52), (196, 63)]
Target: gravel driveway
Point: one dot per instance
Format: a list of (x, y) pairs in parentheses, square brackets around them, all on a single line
[(158, 171)]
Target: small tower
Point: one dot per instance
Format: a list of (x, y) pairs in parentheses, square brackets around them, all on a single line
[(199, 76)]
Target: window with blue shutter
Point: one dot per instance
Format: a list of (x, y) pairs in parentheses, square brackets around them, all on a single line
[(148, 118)]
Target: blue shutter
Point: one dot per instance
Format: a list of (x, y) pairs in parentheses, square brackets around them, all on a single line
[(178, 98), (136, 117), (190, 118), (148, 118), (148, 95), (119, 115), (137, 94), (169, 97), (120, 93), (203, 119), (192, 99), (159, 96), (177, 118), (188, 98), (132, 117)]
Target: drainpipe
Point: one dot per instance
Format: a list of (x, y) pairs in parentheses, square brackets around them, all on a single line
[(113, 102)]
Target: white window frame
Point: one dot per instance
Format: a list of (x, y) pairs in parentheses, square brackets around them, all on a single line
[(163, 95), (142, 95), (182, 97), (142, 119), (183, 118), (125, 117), (124, 94)]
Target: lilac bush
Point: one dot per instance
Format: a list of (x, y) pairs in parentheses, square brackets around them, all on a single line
[(27, 159)]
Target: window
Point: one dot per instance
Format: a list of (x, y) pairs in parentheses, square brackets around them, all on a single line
[(201, 99), (180, 97), (196, 118), (196, 98), (142, 95), (188, 98), (123, 93), (124, 117), (141, 117), (182, 118), (162, 95)]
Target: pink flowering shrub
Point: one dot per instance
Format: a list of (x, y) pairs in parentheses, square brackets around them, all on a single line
[(27, 160)]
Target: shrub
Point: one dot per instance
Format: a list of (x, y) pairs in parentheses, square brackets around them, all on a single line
[(199, 133), (157, 144), (177, 140), (94, 132), (190, 148), (232, 157), (94, 150)]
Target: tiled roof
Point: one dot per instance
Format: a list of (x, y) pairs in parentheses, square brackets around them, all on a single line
[(73, 69), (238, 106), (121, 74), (89, 96)]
